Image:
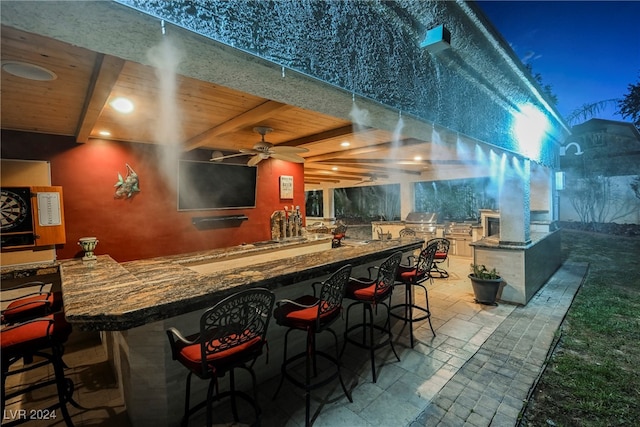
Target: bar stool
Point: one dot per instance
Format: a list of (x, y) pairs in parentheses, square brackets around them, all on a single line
[(43, 337), (371, 293), (232, 335), (339, 233), (407, 232), (313, 314), (442, 255), (412, 276), (35, 303)]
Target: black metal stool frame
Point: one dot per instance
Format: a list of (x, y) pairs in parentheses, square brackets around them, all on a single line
[(419, 273), (383, 288), (443, 247), (329, 306), (64, 386), (234, 321)]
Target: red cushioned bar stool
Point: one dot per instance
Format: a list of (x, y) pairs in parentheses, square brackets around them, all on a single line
[(339, 233), (313, 314), (411, 277), (232, 335), (370, 293), (34, 302), (442, 255), (42, 337)]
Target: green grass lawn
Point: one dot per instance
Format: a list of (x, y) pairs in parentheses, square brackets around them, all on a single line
[(593, 377)]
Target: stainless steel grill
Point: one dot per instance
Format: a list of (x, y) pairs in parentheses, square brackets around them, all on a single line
[(423, 223), (459, 234)]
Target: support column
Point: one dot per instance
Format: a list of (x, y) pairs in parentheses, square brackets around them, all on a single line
[(515, 199), (329, 209), (407, 198)]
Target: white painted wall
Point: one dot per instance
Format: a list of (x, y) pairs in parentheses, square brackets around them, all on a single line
[(624, 206)]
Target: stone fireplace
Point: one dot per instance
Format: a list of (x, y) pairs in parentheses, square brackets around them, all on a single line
[(490, 221)]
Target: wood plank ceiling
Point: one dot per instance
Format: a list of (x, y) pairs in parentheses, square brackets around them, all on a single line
[(210, 116)]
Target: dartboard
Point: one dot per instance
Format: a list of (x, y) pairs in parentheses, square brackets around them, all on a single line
[(13, 210)]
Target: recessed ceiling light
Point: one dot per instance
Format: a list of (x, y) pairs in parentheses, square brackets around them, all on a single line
[(122, 105), (104, 133), (28, 71), (345, 144), (335, 168), (417, 158)]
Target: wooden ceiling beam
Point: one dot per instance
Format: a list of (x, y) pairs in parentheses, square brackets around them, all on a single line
[(319, 179), (324, 172), (265, 110), (385, 161), (339, 177), (365, 150), (105, 75), (361, 164), (322, 136)]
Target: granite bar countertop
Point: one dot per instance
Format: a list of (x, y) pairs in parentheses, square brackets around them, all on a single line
[(495, 243), (28, 270), (106, 295)]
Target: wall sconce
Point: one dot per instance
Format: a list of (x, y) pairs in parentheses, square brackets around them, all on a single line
[(437, 39), (564, 148)]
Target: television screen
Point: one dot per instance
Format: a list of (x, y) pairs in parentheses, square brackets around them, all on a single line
[(207, 185)]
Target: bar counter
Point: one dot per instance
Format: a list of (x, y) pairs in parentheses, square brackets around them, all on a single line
[(132, 304), (110, 296)]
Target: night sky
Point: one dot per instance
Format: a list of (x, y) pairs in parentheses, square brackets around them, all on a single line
[(588, 51)]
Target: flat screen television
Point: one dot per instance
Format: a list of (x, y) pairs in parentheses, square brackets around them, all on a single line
[(210, 185)]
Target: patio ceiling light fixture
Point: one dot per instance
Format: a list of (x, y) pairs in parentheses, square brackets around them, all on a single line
[(437, 39), (122, 105), (529, 128)]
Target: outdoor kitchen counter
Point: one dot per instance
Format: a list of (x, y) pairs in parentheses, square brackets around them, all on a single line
[(107, 295), (492, 242), (525, 267)]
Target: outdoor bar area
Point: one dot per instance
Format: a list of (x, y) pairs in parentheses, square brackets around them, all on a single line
[(142, 232)]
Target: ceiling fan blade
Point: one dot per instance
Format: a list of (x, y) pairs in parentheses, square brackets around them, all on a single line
[(288, 157), (249, 151), (254, 160), (286, 150), (219, 158)]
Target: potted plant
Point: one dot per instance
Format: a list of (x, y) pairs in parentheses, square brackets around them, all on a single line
[(486, 284)]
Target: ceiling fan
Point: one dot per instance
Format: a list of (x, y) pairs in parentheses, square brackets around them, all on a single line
[(264, 149)]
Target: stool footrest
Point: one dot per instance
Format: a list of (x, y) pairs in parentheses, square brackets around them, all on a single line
[(67, 398), (442, 272), (317, 384), (218, 397), (411, 307), (364, 328)]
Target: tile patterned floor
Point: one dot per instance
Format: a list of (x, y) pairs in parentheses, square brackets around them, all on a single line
[(476, 371)]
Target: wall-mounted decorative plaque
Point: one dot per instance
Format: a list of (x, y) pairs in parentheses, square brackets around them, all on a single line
[(286, 187)]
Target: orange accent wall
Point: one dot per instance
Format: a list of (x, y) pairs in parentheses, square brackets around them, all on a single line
[(148, 224)]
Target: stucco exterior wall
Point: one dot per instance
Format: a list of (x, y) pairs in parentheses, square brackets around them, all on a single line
[(372, 49), (616, 202)]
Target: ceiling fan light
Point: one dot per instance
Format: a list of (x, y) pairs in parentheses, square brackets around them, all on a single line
[(216, 156)]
